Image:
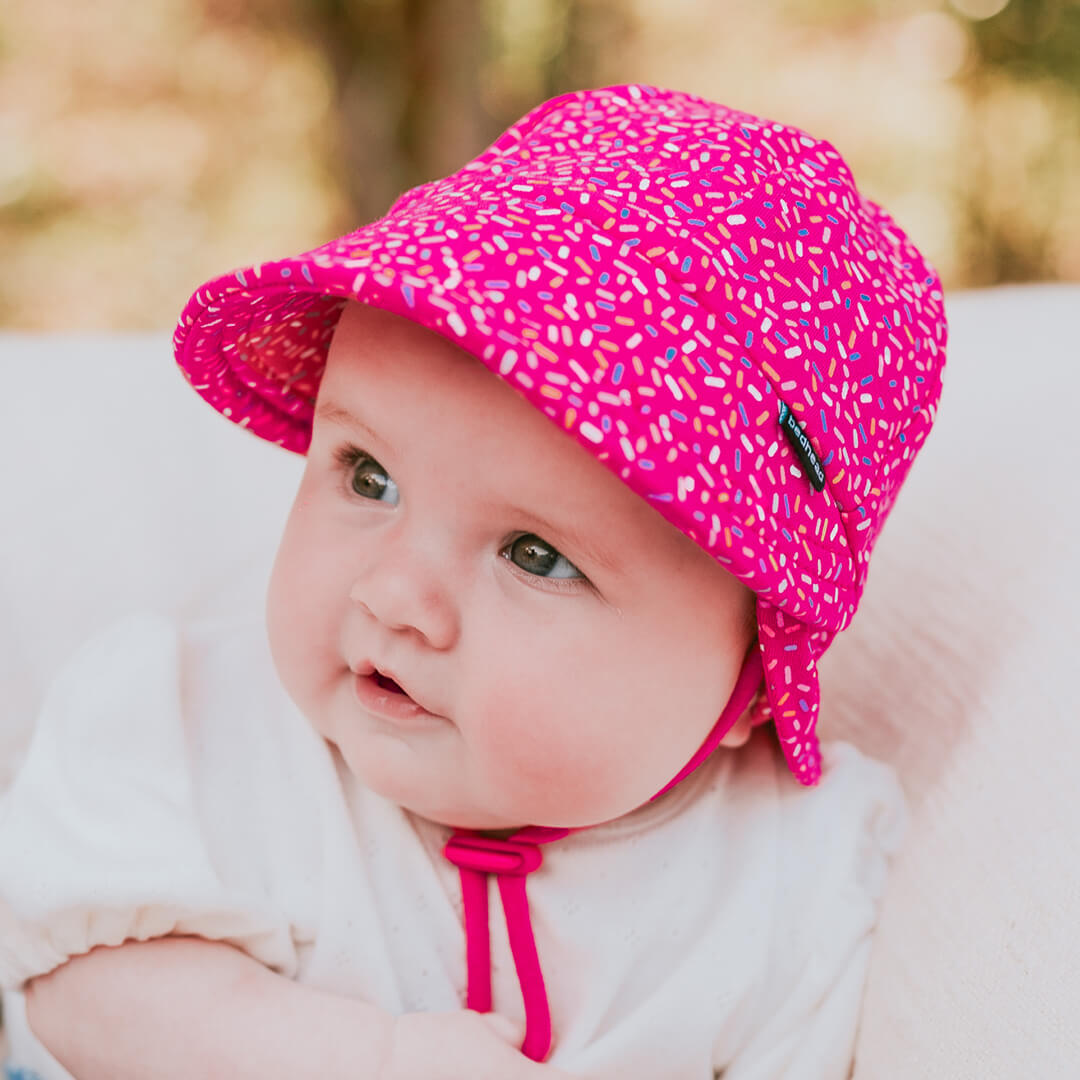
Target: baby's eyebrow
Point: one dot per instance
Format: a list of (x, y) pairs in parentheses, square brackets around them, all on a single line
[(334, 413)]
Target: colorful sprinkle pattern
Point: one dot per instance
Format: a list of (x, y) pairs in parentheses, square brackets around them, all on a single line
[(657, 273)]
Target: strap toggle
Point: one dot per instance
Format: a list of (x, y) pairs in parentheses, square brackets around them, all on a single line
[(489, 854)]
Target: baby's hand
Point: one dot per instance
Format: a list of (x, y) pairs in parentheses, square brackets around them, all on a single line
[(463, 1045)]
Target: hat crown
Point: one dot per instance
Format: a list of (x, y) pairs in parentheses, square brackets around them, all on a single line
[(744, 215)]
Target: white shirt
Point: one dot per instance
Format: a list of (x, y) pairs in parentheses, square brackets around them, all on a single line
[(171, 786)]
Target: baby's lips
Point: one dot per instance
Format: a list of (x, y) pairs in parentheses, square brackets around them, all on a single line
[(368, 668)]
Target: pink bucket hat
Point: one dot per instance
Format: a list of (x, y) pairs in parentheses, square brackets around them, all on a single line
[(700, 297)]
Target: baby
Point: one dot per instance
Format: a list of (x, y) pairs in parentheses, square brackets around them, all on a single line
[(600, 431)]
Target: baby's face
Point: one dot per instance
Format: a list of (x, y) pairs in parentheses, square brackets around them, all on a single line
[(566, 650)]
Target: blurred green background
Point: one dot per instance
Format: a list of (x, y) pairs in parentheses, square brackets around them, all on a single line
[(147, 145)]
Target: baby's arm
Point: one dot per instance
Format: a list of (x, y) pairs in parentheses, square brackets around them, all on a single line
[(176, 1008), (185, 1007)]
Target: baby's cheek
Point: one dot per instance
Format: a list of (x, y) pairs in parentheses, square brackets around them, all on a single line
[(510, 731), (541, 758), (303, 641)]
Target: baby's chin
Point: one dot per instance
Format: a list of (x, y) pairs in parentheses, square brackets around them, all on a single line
[(472, 818), (403, 772), (504, 825)]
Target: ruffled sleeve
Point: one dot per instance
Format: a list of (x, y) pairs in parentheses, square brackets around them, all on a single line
[(101, 840), (838, 840)]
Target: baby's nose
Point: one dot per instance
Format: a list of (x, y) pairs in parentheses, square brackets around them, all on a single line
[(403, 594)]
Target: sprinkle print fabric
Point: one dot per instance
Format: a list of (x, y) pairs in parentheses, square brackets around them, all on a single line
[(660, 275)]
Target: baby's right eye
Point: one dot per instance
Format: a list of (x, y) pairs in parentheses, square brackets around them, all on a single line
[(365, 476), (537, 557)]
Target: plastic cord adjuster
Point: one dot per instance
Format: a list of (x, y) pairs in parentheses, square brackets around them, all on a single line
[(491, 855)]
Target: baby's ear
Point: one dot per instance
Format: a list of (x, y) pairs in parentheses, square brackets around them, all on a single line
[(739, 732)]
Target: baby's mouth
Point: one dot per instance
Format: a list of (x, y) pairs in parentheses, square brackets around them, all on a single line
[(386, 683), (384, 696)]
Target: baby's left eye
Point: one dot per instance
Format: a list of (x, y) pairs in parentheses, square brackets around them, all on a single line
[(536, 556), (365, 476)]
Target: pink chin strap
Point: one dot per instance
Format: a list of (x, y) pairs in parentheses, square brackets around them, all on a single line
[(513, 859)]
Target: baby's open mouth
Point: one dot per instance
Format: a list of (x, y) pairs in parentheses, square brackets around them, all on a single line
[(383, 696), (385, 683)]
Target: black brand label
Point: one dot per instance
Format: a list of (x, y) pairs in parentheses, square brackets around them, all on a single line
[(801, 445)]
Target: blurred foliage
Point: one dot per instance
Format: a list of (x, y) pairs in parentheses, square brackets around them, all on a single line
[(424, 84), (1030, 51), (147, 147), (1033, 40)]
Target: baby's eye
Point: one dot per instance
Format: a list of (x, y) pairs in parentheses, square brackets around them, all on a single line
[(365, 476), (535, 556)]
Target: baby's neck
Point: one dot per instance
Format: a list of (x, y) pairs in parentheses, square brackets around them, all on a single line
[(499, 834)]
